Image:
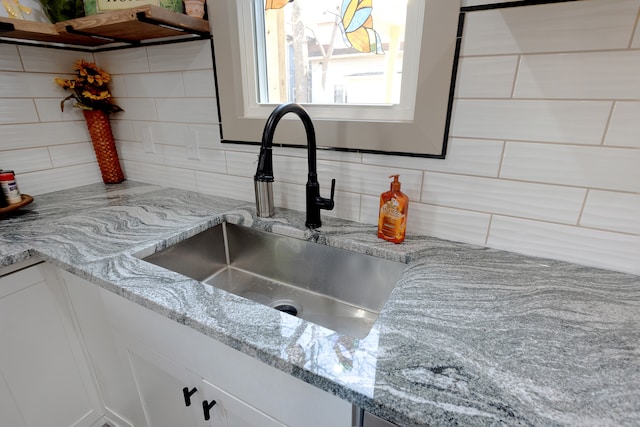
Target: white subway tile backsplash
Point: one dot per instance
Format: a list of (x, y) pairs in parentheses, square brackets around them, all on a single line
[(9, 58), (291, 169), (366, 179), (163, 133), (559, 27), (608, 210), (347, 205), (401, 162), (72, 154), (447, 223), (180, 57), (289, 196), (580, 76), (579, 122), (126, 61), (568, 243), (209, 136), (222, 185), (137, 109), (624, 127), (17, 111), (321, 154), (199, 83), (123, 129), (595, 167), (49, 180), (187, 110), (159, 174), (241, 148), (242, 164), (152, 85), (486, 77), (437, 221), (134, 151), (210, 160), (293, 196), (290, 151), (470, 156), (464, 156), (18, 136), (117, 88), (514, 198), (370, 209), (26, 160), (38, 60), (338, 156), (49, 110), (29, 85)]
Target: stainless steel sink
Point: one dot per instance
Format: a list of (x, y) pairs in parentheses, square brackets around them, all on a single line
[(341, 290)]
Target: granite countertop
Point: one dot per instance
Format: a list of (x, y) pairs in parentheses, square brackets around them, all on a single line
[(470, 335)]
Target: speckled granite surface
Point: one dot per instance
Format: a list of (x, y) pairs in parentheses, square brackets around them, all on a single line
[(469, 336)]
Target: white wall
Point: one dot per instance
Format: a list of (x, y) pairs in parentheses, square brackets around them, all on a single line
[(544, 155)]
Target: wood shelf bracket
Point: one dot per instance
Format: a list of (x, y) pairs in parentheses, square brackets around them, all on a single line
[(69, 29)]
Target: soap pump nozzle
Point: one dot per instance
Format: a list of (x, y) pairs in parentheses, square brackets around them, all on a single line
[(395, 184)]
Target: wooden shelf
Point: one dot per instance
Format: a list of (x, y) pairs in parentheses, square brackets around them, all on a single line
[(122, 28)]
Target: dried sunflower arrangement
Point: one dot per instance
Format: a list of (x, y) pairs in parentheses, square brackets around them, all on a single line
[(89, 88), (92, 96)]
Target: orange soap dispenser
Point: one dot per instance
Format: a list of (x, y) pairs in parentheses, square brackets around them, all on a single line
[(394, 206)]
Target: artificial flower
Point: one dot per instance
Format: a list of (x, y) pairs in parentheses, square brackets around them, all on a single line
[(89, 88)]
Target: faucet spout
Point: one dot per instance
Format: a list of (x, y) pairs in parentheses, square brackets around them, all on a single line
[(263, 180)]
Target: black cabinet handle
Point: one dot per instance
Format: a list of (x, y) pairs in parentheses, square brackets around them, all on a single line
[(206, 408), (187, 395)]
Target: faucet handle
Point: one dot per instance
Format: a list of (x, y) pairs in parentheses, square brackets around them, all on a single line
[(333, 189), (327, 204)]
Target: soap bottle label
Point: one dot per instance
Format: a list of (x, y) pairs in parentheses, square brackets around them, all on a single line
[(391, 219)]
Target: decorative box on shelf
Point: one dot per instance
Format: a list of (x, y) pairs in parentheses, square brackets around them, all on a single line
[(93, 7)]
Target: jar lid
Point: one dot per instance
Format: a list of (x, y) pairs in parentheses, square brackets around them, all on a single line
[(6, 176)]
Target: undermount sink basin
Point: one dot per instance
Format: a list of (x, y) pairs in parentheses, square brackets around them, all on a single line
[(338, 289)]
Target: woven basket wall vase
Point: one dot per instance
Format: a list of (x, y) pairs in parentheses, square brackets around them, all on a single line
[(104, 146)]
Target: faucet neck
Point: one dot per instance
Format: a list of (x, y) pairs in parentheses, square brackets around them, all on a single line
[(264, 175), (264, 172)]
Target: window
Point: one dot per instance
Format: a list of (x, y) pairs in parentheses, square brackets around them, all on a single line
[(310, 47), (394, 99)]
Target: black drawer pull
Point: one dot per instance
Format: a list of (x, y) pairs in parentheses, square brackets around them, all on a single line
[(206, 408), (187, 395)]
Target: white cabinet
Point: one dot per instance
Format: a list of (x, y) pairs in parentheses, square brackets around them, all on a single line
[(160, 384), (152, 358), (45, 379), (174, 396), (9, 413)]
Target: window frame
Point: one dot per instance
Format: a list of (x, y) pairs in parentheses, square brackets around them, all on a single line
[(419, 128), (400, 112)]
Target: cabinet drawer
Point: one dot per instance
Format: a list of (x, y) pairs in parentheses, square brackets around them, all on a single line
[(12, 281)]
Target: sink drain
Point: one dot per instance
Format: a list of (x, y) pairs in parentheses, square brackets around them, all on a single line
[(287, 308)]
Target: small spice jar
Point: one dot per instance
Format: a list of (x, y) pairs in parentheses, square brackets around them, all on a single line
[(10, 187)]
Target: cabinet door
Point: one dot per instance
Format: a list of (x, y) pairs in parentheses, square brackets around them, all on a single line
[(236, 412), (160, 384), (110, 361), (9, 413), (39, 357)]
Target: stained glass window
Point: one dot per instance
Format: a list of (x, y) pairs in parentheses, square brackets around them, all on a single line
[(330, 51)]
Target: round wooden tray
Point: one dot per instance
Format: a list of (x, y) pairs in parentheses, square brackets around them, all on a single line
[(26, 199)]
